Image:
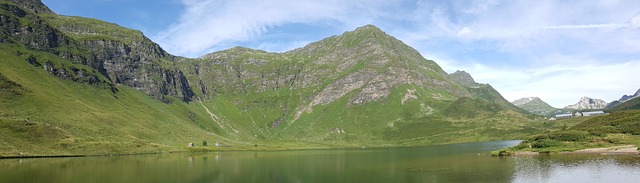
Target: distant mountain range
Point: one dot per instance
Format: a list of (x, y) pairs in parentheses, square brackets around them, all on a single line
[(535, 105), (623, 99)]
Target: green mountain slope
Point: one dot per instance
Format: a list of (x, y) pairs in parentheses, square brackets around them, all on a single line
[(72, 85), (535, 105), (614, 129), (627, 105)]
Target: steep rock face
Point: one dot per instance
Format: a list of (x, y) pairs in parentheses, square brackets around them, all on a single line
[(588, 103), (121, 55), (125, 56), (535, 105), (27, 28)]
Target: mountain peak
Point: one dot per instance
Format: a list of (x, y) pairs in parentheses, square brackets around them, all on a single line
[(368, 27), (588, 103), (462, 78), (534, 105), (32, 5), (525, 100)]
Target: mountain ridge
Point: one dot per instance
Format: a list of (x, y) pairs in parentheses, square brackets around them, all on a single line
[(623, 99), (121, 90), (535, 105)]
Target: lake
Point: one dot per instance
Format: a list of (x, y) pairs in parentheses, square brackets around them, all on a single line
[(468, 162)]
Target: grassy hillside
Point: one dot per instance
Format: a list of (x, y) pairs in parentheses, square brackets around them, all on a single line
[(98, 88), (628, 105), (45, 115), (618, 128)]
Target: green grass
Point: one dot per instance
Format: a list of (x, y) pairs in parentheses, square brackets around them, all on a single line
[(618, 128), (628, 105), (46, 115), (240, 93), (80, 28)]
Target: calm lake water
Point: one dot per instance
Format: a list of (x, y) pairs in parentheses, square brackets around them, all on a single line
[(469, 162)]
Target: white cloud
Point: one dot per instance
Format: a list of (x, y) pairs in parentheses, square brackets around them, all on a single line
[(208, 23), (281, 47), (587, 26), (561, 84), (635, 22), (465, 31), (556, 50)]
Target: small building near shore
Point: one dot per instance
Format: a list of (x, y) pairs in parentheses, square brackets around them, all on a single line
[(593, 113), (561, 116)]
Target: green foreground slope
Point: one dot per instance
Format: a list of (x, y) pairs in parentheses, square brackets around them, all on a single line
[(45, 115)]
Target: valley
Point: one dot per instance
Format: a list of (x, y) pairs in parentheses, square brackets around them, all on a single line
[(79, 86)]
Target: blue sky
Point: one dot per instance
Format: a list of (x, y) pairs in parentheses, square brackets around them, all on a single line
[(556, 50)]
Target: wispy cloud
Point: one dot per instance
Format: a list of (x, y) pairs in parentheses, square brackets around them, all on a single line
[(557, 50), (208, 23), (587, 26)]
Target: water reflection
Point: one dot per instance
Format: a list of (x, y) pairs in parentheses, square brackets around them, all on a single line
[(577, 168), (448, 163)]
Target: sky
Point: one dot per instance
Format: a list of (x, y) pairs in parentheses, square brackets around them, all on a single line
[(558, 50)]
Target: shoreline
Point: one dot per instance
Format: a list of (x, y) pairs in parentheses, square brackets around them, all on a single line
[(614, 150)]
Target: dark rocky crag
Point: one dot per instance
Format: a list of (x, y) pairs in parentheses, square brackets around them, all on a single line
[(132, 60)]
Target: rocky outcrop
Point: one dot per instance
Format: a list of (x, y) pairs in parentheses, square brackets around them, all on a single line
[(139, 65), (588, 103), (120, 55), (26, 28)]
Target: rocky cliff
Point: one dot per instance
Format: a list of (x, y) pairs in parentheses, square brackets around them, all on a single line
[(120, 55), (588, 103)]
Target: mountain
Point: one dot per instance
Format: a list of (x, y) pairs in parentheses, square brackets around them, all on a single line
[(588, 103), (484, 91), (630, 104), (623, 99), (73, 85), (463, 78), (535, 105)]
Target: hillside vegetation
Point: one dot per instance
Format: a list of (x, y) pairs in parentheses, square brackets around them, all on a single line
[(617, 128), (77, 86)]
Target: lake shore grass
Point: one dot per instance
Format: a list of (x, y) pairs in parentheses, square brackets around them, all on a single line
[(601, 135), (610, 150)]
